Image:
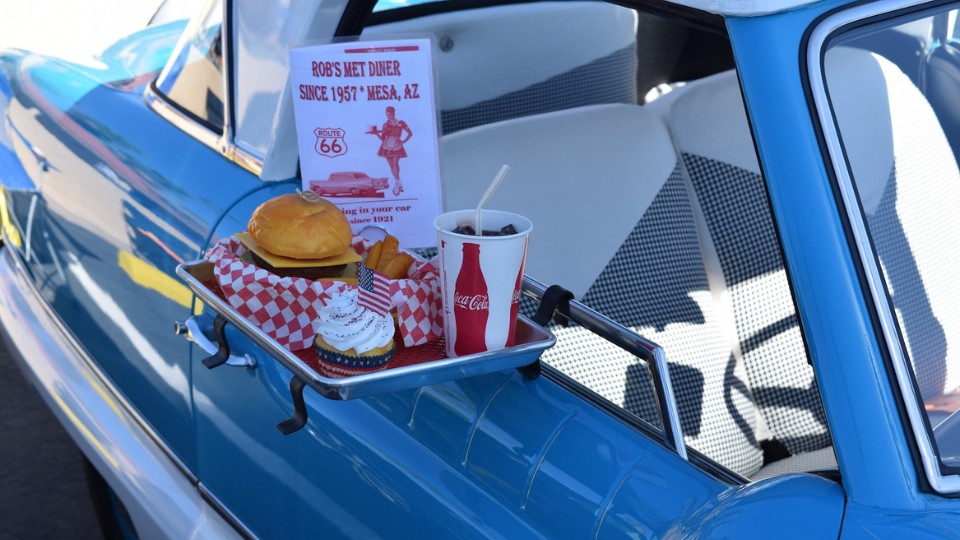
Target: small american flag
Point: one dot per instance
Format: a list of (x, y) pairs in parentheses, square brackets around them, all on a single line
[(374, 290)]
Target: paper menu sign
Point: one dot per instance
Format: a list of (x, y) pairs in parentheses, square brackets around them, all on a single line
[(367, 133)]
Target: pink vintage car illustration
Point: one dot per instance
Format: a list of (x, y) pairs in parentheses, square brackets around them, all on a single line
[(349, 184)]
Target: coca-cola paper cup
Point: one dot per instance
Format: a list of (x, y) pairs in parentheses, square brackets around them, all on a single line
[(480, 280)]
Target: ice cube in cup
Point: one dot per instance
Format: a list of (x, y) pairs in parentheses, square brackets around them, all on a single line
[(468, 230)]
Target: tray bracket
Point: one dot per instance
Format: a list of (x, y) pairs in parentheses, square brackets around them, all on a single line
[(222, 354), (555, 305), (299, 419)]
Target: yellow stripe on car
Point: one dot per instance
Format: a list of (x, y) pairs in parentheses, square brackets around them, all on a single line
[(11, 232), (148, 276)]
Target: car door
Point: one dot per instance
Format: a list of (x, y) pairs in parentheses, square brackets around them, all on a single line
[(497, 455), (121, 196)]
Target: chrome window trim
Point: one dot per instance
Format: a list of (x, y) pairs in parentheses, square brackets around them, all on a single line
[(223, 144), (246, 159), (632, 342), (228, 145), (946, 484), (209, 138), (171, 113)]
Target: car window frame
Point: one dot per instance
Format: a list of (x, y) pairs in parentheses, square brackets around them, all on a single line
[(221, 142), (821, 37)]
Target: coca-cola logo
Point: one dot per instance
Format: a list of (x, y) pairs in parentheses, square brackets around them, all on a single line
[(475, 302)]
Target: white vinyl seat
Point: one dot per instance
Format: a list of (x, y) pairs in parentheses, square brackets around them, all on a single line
[(708, 124), (613, 223), (909, 188), (518, 60)]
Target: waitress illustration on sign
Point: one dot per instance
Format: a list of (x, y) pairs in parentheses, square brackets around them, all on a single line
[(391, 145)]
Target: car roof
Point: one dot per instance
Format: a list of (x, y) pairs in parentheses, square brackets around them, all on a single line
[(743, 8)]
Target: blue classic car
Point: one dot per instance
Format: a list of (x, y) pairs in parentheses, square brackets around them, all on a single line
[(746, 245)]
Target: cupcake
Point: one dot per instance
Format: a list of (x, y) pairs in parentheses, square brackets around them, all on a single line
[(351, 339)]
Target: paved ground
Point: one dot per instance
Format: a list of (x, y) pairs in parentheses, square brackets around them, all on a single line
[(43, 492)]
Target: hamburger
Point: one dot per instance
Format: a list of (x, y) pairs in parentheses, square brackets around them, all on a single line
[(300, 235)]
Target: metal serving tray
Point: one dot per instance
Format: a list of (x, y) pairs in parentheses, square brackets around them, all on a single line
[(532, 340)]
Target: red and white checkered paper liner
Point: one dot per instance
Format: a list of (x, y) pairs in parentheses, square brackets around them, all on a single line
[(286, 308)]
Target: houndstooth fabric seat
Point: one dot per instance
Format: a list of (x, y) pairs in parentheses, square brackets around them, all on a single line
[(531, 65), (709, 128), (909, 188), (613, 222)]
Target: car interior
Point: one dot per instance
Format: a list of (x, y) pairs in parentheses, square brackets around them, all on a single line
[(630, 151), (900, 138)]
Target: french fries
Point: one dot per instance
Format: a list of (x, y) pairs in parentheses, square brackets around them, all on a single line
[(397, 266), (390, 246), (385, 257), (373, 257)]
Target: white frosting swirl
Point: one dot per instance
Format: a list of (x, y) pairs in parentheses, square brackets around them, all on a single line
[(345, 325)]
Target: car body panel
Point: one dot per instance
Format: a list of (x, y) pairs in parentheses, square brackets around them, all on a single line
[(566, 470), (794, 506), (100, 421), (836, 319), (88, 260), (861, 522), (103, 197)]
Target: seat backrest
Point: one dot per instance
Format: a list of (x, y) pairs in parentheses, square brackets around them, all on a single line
[(708, 124), (613, 223), (941, 75), (516, 60), (909, 186)]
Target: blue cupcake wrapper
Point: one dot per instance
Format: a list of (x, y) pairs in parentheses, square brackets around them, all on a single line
[(352, 361)]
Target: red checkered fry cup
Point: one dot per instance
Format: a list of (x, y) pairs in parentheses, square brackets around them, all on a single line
[(480, 280)]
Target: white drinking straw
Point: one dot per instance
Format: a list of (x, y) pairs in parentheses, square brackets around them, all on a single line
[(486, 196)]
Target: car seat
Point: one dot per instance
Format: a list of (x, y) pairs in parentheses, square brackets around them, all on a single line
[(515, 60), (908, 185), (613, 223)]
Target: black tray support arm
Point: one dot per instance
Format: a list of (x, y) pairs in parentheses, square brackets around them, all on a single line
[(554, 305), (299, 419)]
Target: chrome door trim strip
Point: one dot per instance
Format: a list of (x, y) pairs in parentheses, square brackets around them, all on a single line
[(224, 512), (95, 369), (818, 39), (77, 350)]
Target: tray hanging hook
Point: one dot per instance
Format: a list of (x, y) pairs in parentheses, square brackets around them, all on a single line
[(555, 304), (299, 419), (223, 353)]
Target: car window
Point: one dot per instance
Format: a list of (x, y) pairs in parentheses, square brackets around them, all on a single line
[(899, 123), (638, 211), (193, 77), (386, 5)]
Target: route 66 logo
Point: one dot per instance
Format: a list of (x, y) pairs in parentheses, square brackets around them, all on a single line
[(330, 142)]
